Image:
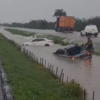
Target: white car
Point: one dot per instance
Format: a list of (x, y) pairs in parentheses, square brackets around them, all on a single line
[(89, 31), (39, 42)]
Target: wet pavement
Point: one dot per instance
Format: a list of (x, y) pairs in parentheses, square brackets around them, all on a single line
[(85, 72), (73, 36)]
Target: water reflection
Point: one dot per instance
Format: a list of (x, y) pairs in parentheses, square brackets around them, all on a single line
[(89, 66), (89, 63)]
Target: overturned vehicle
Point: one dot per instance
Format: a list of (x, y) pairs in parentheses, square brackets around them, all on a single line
[(74, 51)]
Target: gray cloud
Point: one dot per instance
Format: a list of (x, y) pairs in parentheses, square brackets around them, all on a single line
[(24, 10)]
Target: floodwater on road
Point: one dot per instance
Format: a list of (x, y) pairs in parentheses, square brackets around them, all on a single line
[(86, 72), (73, 36)]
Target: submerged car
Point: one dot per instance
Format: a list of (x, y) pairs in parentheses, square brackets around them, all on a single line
[(74, 51), (39, 42)]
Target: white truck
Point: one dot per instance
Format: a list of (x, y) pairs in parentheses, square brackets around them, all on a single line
[(89, 31)]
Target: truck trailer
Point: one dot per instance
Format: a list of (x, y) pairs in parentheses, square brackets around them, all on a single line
[(65, 24)]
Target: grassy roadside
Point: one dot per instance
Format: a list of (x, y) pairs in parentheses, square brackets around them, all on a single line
[(23, 33), (30, 81)]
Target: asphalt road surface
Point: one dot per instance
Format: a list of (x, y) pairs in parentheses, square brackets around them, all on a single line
[(86, 72)]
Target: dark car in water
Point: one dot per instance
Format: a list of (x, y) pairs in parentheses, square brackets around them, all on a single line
[(73, 51)]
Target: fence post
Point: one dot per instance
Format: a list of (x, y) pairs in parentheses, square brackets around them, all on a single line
[(73, 81), (67, 79), (31, 55), (42, 61), (78, 85), (52, 68), (48, 65), (84, 94), (45, 63), (56, 71), (34, 56), (93, 96), (62, 77), (37, 59), (27, 52), (61, 74), (23, 49)]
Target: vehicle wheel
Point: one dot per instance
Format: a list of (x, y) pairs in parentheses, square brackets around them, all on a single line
[(26, 45), (89, 35), (82, 56), (86, 35), (47, 45), (96, 35), (81, 34)]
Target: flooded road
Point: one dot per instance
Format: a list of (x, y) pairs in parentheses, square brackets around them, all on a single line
[(83, 71), (73, 36)]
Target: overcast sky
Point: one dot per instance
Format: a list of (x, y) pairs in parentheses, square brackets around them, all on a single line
[(24, 10)]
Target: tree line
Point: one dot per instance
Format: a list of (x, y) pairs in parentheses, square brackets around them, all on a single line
[(43, 24)]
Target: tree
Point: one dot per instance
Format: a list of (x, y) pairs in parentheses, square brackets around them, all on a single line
[(43, 24), (59, 12)]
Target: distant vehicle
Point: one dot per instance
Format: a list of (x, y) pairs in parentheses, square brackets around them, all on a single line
[(39, 42), (89, 31), (73, 51), (65, 24)]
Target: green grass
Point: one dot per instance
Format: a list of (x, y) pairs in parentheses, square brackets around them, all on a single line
[(57, 39), (30, 81), (16, 31)]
